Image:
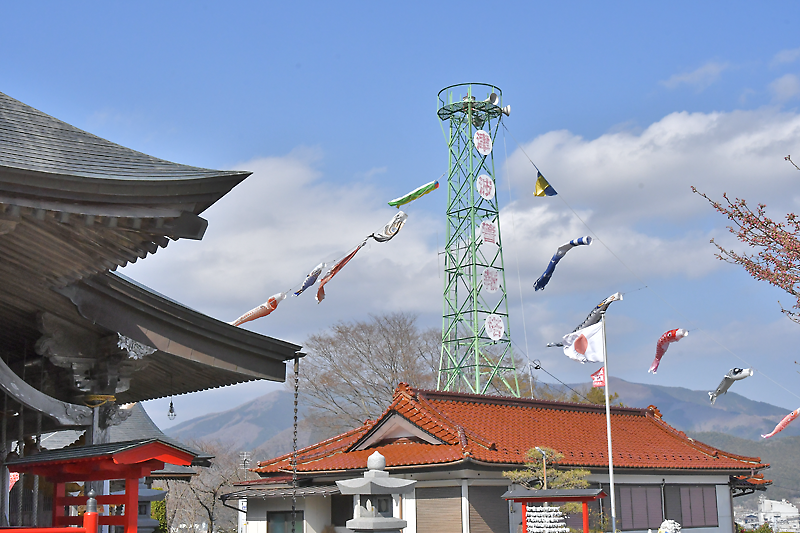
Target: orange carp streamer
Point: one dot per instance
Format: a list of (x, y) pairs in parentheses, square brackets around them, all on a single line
[(783, 423), (262, 310)]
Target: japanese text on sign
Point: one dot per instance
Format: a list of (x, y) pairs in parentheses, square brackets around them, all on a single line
[(491, 279), (483, 142), (494, 327), (485, 186), (489, 232), (599, 378)]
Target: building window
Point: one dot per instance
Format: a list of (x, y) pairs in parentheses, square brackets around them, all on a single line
[(699, 506), (640, 507), (281, 522), (341, 509)]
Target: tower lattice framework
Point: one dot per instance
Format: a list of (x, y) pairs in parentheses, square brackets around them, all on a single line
[(476, 355)]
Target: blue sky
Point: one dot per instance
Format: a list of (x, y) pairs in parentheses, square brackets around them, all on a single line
[(623, 106)]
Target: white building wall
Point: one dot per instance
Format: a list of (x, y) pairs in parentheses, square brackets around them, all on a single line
[(409, 512), (464, 506), (257, 510), (242, 517), (318, 509), (317, 514), (724, 509)]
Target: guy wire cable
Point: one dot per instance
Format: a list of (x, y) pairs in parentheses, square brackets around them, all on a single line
[(540, 367), (516, 255)]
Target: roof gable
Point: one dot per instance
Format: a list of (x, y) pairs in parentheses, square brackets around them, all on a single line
[(392, 428)]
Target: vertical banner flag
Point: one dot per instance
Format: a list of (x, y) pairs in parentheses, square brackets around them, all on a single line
[(599, 378), (13, 477)]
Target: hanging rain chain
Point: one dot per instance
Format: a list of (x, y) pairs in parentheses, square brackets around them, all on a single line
[(294, 441)]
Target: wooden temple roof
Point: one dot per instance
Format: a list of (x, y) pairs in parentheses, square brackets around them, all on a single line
[(51, 160), (74, 208)]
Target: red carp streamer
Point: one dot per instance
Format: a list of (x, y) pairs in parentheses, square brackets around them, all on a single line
[(673, 335)]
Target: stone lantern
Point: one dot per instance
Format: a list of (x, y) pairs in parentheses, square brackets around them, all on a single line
[(374, 506)]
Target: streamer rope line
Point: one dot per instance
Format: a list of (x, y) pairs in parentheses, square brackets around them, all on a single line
[(516, 255), (638, 278)]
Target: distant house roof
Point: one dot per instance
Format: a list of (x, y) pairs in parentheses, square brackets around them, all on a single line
[(433, 429)]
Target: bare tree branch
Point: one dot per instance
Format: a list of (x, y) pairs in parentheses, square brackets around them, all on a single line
[(351, 371)]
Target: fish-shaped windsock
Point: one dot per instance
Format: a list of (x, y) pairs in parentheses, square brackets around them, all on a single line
[(560, 252), (783, 423), (262, 310), (391, 228), (594, 317), (311, 278), (416, 193), (673, 335), (734, 374), (597, 313), (335, 270)]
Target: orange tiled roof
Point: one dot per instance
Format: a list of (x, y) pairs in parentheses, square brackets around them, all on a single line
[(499, 430)]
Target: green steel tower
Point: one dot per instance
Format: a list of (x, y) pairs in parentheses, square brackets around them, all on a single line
[(476, 342)]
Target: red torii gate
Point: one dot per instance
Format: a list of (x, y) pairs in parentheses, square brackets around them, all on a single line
[(526, 496), (129, 460)]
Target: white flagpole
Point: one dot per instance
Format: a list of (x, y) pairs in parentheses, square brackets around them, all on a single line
[(608, 434)]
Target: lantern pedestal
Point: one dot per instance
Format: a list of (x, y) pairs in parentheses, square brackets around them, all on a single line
[(375, 497)]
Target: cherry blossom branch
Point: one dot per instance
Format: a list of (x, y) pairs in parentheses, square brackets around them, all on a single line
[(777, 246)]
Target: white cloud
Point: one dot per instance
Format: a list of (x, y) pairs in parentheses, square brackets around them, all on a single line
[(628, 179), (786, 56), (631, 188), (375, 171), (633, 191), (271, 230), (785, 88), (700, 78)]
